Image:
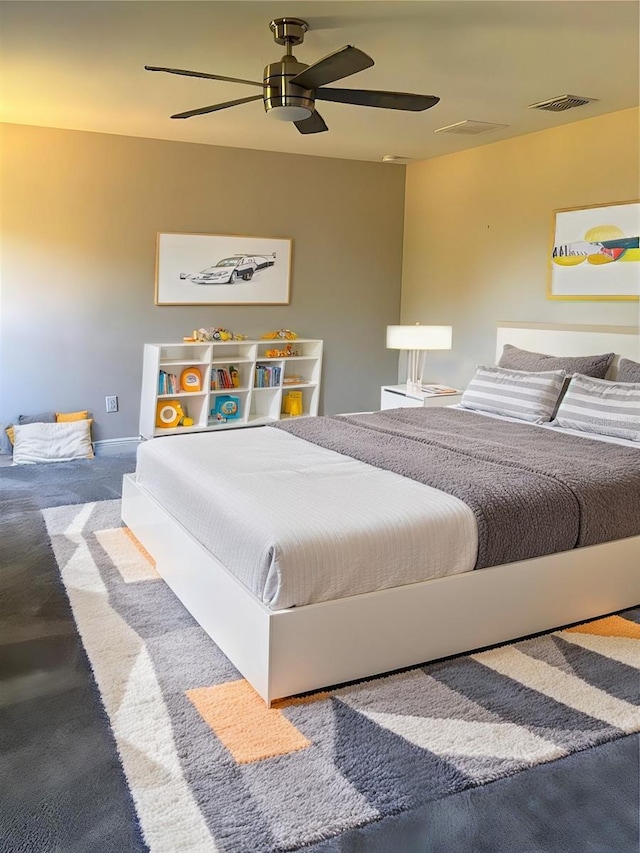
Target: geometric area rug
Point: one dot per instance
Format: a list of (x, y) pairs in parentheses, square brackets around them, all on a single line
[(212, 770)]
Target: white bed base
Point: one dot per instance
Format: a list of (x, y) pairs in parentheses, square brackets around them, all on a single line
[(286, 652)]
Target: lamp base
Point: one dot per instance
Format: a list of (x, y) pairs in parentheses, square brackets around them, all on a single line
[(414, 370)]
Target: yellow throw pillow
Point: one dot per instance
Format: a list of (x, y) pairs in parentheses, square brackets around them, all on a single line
[(71, 416), (10, 432)]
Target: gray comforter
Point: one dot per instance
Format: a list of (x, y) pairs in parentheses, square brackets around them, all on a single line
[(533, 491)]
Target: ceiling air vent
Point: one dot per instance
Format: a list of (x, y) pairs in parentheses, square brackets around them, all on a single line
[(470, 128), (396, 158), (561, 103)]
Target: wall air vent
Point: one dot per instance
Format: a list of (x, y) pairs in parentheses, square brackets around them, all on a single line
[(470, 128), (561, 103)]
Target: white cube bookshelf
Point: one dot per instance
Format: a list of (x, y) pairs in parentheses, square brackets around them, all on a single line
[(257, 405)]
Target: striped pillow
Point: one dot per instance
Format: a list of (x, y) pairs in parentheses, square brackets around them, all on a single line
[(529, 396), (606, 408)]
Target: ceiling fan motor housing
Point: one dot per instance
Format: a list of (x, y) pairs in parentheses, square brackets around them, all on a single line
[(284, 100)]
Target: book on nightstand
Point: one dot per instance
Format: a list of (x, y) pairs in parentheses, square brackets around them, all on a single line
[(438, 390)]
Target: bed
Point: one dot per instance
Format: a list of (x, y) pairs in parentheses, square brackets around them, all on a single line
[(289, 631)]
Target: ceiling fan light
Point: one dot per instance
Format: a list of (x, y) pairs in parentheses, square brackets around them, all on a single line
[(289, 113)]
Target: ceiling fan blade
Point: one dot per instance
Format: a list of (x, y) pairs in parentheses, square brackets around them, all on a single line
[(344, 62), (313, 124), (202, 74), (214, 107), (384, 100)]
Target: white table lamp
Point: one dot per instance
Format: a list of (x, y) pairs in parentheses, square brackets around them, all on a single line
[(415, 339)]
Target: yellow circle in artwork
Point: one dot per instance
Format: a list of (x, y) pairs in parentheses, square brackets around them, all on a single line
[(599, 259), (603, 232), (568, 260)]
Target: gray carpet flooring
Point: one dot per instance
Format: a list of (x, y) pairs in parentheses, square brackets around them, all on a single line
[(62, 789)]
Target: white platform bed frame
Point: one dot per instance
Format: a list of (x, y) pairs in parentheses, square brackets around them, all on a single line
[(286, 652)]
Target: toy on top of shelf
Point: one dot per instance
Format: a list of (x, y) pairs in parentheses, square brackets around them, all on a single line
[(284, 334), (214, 334), (220, 334)]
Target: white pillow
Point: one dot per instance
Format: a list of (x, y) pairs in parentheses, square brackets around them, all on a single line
[(602, 407), (57, 442), (529, 396)]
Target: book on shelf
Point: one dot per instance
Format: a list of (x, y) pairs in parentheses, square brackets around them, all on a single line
[(438, 390), (168, 383), (267, 376), (223, 377)]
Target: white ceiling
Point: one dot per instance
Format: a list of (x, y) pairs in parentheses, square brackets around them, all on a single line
[(79, 65)]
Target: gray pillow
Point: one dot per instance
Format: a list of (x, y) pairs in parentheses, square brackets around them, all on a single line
[(6, 448), (42, 418), (628, 371), (597, 366)]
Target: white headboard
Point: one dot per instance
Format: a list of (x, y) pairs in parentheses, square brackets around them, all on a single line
[(555, 339)]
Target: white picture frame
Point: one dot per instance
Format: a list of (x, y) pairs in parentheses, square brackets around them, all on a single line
[(222, 269)]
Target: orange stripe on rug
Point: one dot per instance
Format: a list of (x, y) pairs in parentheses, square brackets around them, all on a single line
[(128, 556), (243, 723), (139, 546), (610, 626), (292, 701)]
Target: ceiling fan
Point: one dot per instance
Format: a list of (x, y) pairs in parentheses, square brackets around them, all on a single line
[(291, 88)]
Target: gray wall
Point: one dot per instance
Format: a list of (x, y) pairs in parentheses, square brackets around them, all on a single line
[(80, 217)]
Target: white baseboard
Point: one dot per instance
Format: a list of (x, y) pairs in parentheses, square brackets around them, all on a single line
[(115, 445)]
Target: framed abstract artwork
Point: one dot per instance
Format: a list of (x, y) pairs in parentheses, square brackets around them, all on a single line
[(219, 269), (595, 252)]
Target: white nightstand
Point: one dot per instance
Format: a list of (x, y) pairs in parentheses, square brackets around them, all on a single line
[(397, 397)]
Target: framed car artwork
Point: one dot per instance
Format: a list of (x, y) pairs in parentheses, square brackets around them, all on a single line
[(218, 269)]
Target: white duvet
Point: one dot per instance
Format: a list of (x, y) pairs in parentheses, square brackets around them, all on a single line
[(299, 524)]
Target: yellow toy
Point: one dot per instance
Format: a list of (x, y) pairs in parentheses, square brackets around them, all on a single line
[(169, 414), (217, 334), (280, 353), (285, 334), (293, 403)]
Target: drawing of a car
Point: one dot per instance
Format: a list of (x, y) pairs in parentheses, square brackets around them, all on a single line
[(231, 269)]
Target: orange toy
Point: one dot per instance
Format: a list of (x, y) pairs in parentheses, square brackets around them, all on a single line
[(191, 379), (169, 414)]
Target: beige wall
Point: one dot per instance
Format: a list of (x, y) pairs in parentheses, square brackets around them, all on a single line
[(80, 216), (477, 230)]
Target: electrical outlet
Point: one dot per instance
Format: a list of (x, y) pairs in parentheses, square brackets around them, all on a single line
[(111, 404)]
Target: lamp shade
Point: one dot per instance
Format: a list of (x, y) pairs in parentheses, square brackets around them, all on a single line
[(418, 337)]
